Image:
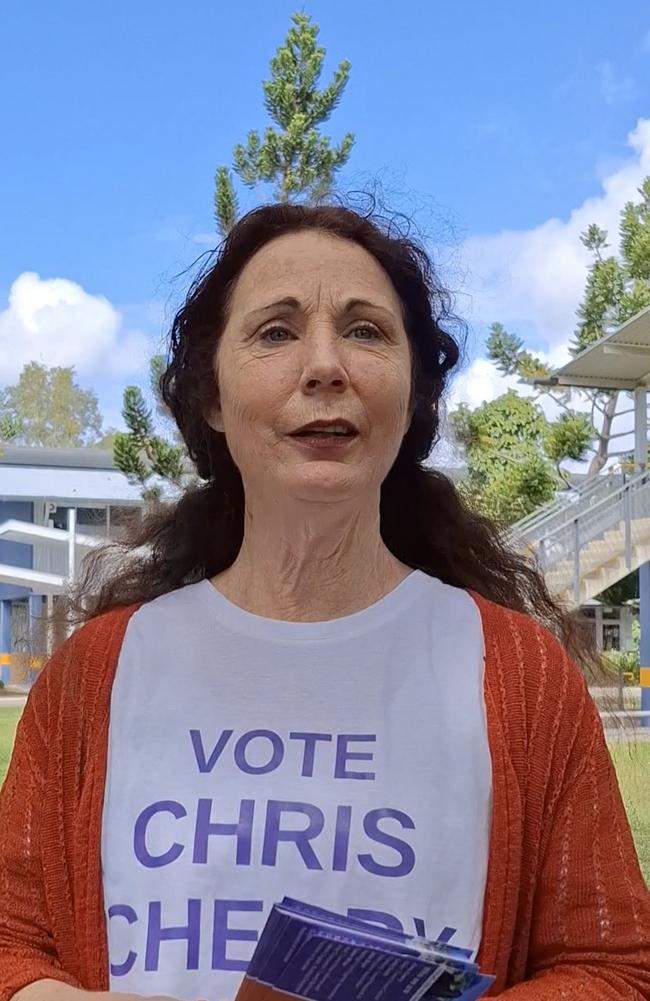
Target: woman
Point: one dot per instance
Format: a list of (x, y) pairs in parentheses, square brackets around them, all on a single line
[(318, 674)]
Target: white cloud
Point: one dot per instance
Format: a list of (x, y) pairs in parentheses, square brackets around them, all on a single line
[(56, 322), (482, 382), (534, 278)]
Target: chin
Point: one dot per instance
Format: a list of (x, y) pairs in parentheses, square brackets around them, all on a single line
[(324, 481)]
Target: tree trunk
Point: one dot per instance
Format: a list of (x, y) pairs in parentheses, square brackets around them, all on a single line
[(602, 452)]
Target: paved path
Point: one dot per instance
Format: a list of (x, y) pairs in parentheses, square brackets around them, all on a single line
[(12, 701), (627, 735), (631, 692)]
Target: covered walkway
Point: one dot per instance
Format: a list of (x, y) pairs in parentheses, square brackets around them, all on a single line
[(604, 537)]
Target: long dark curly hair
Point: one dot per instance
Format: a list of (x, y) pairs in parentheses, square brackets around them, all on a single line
[(424, 521)]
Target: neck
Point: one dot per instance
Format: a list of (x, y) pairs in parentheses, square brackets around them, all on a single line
[(310, 566)]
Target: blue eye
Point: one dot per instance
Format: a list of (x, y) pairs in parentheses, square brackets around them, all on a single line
[(367, 330), (267, 335)]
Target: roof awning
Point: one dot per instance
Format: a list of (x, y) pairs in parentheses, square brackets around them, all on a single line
[(620, 360), (38, 580), (29, 534)]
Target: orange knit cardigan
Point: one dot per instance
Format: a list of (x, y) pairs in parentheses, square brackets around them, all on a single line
[(566, 915)]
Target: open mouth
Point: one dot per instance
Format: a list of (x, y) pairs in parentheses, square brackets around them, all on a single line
[(326, 431)]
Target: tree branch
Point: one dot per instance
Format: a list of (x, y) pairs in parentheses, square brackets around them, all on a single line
[(565, 406), (619, 434), (601, 410)]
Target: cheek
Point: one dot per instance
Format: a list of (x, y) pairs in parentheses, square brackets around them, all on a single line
[(388, 393), (250, 401)]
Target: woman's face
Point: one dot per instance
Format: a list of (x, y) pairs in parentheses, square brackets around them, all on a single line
[(314, 334)]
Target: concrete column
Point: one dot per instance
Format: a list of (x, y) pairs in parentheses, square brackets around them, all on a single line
[(599, 627), (640, 429), (626, 627), (72, 542), (644, 619)]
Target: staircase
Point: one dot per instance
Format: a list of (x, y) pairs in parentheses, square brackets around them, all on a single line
[(587, 540)]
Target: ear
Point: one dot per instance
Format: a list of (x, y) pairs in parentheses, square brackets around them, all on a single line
[(214, 416)]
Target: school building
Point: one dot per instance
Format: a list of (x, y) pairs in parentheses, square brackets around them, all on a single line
[(55, 505)]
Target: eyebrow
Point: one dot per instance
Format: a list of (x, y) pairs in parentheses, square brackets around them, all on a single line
[(288, 300), (293, 303)]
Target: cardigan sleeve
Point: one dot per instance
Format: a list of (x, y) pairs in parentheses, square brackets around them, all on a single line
[(590, 929), (27, 948)]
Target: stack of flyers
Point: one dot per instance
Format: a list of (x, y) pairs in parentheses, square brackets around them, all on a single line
[(307, 952)]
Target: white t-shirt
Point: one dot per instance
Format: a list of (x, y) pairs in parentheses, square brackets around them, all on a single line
[(344, 763)]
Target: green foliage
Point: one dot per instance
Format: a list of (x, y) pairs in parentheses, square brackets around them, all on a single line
[(507, 351), (166, 460), (300, 162), (635, 235), (627, 661), (598, 311), (107, 440), (128, 457), (617, 287), (47, 408), (137, 415), (509, 473), (292, 155), (569, 437), (9, 427), (226, 208), (141, 453), (594, 238), (495, 431)]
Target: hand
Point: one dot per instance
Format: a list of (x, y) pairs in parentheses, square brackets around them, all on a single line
[(52, 990)]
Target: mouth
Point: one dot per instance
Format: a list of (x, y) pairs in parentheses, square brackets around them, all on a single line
[(333, 430)]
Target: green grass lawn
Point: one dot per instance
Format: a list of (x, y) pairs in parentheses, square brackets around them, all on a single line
[(632, 765), (8, 721)]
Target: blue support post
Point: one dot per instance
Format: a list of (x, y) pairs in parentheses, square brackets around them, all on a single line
[(36, 612), (644, 619), (5, 639)]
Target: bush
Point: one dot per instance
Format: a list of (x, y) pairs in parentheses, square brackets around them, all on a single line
[(627, 661)]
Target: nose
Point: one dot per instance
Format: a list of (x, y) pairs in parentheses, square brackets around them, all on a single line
[(323, 365)]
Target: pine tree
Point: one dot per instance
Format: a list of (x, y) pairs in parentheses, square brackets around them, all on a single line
[(144, 456), (293, 156), (226, 208), (300, 163)]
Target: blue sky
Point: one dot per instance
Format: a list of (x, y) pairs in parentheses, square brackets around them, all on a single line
[(502, 126)]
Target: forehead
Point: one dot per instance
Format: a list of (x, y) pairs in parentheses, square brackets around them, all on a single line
[(312, 263)]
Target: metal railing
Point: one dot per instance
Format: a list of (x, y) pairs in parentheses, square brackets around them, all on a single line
[(568, 505), (561, 545)]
